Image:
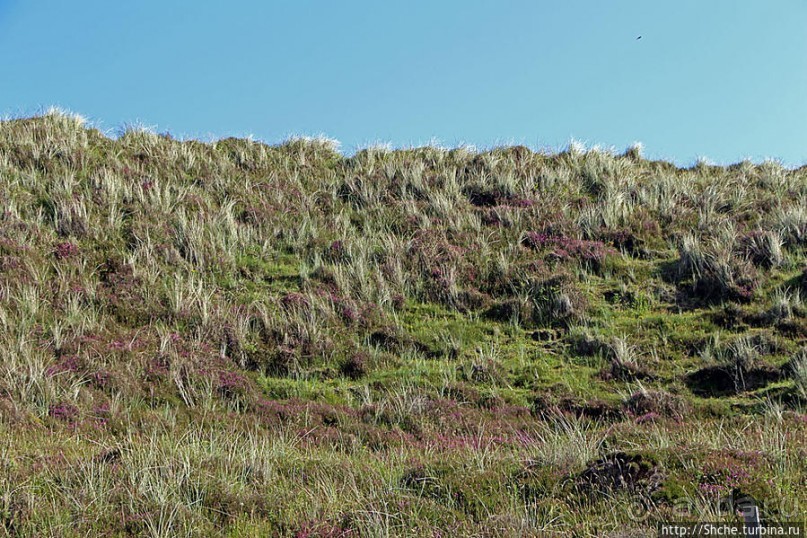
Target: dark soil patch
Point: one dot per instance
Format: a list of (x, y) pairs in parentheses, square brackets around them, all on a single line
[(718, 381), (585, 345), (620, 471), (481, 197), (547, 407), (507, 310), (626, 371), (792, 328), (386, 340), (543, 335), (731, 317), (659, 402)]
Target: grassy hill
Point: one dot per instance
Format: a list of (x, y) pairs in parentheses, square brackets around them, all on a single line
[(235, 339)]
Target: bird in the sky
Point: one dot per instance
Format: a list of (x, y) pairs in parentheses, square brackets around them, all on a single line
[(638, 38)]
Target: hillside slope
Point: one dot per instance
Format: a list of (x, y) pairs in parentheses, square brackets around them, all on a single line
[(236, 339)]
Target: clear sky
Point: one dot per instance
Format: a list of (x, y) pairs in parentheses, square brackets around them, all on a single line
[(721, 79)]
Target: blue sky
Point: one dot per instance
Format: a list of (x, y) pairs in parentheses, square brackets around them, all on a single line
[(721, 79)]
